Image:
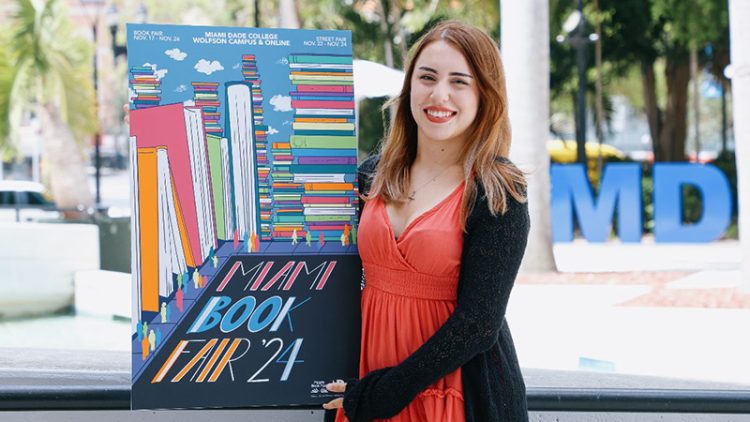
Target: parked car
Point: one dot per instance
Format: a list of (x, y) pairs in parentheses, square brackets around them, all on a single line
[(25, 201)]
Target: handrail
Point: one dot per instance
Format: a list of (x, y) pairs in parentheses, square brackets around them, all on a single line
[(117, 397)]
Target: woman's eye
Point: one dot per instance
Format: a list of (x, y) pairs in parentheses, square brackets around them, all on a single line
[(460, 81), (426, 78)]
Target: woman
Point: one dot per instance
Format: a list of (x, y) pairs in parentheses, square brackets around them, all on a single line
[(441, 238)]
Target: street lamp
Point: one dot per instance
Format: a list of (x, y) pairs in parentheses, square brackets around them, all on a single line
[(575, 28), (113, 20), (94, 7)]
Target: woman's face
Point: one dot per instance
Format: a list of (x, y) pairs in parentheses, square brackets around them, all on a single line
[(444, 94)]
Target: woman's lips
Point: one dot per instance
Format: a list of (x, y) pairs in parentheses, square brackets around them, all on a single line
[(439, 115)]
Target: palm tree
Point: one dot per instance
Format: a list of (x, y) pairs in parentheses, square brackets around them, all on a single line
[(525, 48), (739, 12), (288, 14), (45, 71)]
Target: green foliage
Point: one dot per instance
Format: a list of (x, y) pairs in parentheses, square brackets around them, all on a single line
[(371, 124), (43, 62), (6, 82), (691, 21), (727, 163)]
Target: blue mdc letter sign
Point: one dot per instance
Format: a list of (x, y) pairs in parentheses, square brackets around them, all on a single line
[(621, 191)]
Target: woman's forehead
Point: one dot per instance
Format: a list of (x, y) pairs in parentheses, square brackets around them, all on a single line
[(442, 58)]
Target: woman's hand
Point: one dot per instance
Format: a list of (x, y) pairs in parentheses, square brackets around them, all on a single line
[(335, 387)]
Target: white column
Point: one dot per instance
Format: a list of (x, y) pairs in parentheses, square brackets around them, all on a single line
[(739, 15), (525, 51)]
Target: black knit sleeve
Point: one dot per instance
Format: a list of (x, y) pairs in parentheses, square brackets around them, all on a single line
[(492, 253), (365, 174)]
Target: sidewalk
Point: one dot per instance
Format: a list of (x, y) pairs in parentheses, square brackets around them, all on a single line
[(663, 310)]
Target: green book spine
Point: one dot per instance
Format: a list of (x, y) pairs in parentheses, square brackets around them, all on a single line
[(324, 142), (301, 58), (289, 219), (214, 162)]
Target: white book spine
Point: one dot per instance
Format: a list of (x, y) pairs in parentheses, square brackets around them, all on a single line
[(226, 186), (241, 128), (329, 211), (201, 184), (135, 233), (171, 256), (318, 178)]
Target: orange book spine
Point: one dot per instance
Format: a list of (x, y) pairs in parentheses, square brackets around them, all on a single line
[(329, 186), (148, 211)]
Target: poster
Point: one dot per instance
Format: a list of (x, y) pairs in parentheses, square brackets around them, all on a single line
[(243, 158)]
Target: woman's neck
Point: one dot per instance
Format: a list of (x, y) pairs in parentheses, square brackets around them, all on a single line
[(436, 155)]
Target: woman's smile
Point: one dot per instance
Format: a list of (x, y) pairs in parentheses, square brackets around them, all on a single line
[(439, 114)]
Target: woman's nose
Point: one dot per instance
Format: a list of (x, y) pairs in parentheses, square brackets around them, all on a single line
[(440, 92)]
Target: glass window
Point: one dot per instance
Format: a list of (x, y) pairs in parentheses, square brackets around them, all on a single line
[(7, 198), (35, 198)]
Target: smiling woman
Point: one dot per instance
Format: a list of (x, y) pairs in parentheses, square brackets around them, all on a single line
[(441, 238)]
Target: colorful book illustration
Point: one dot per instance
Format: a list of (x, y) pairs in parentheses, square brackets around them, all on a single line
[(244, 212)]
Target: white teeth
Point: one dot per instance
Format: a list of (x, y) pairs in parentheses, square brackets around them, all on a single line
[(439, 114)]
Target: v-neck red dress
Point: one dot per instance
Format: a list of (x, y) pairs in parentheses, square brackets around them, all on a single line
[(410, 291)]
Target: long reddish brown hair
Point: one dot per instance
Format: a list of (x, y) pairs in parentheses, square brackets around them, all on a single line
[(487, 139)]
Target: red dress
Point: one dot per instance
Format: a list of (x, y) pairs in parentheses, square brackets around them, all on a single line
[(410, 292)]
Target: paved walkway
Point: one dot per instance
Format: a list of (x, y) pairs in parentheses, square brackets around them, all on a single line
[(678, 311)]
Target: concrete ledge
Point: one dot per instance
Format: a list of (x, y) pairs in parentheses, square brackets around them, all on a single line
[(38, 262), (103, 293)]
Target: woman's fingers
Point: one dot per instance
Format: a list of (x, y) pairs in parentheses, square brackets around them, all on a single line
[(334, 404), (126, 109), (336, 387)]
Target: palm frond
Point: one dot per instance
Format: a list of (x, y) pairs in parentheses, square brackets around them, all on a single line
[(46, 62)]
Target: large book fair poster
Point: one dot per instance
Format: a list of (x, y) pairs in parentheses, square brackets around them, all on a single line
[(246, 274)]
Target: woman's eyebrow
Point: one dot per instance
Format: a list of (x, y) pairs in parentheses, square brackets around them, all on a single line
[(429, 69)]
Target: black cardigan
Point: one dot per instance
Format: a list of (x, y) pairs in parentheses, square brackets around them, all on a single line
[(475, 337)]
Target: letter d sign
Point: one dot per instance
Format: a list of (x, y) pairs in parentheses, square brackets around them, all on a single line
[(717, 202)]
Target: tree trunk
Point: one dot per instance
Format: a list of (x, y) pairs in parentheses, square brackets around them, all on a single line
[(696, 101), (739, 15), (674, 124), (64, 162), (651, 105), (598, 100), (387, 31), (288, 14), (525, 27)]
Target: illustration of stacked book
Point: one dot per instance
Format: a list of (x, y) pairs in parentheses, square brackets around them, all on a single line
[(323, 144), (241, 130), (250, 74), (145, 83), (287, 195), (207, 98), (173, 211)]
